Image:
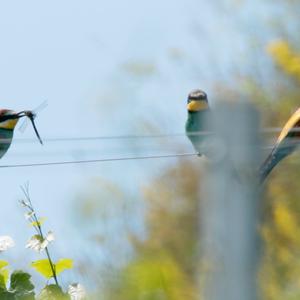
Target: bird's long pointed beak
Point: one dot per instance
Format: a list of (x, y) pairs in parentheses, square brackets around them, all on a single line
[(196, 105), (23, 113)]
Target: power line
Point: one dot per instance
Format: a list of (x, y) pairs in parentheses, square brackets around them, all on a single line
[(124, 137), (108, 137), (71, 162), (111, 159)]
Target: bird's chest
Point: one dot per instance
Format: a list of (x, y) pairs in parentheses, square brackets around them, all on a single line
[(5, 140), (195, 122)]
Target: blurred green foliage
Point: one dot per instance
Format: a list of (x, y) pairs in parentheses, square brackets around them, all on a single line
[(280, 265), (165, 261)]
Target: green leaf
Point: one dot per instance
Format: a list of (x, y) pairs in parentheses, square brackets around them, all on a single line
[(43, 266), (3, 264), (6, 295), (63, 264), (21, 285), (51, 292), (4, 273)]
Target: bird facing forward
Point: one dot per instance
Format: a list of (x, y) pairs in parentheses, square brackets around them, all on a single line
[(195, 127), (8, 122)]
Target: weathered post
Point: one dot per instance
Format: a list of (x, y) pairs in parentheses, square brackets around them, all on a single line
[(229, 205)]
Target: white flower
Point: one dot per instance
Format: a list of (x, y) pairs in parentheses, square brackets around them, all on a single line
[(76, 291), (6, 242), (35, 243), (38, 244), (49, 238)]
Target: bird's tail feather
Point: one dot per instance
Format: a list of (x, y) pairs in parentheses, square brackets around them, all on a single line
[(277, 154), (267, 167)]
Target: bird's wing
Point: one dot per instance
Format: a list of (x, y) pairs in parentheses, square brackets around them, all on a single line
[(292, 124), (287, 142)]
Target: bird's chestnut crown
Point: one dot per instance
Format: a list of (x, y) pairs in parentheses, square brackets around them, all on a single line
[(197, 95)]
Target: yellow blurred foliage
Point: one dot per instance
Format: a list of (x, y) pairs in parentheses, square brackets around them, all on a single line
[(286, 222), (156, 277), (285, 57), (280, 264)]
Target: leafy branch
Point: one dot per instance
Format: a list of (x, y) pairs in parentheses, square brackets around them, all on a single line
[(18, 285), (38, 241)]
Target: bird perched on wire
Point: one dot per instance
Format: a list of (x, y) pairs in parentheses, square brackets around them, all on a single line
[(198, 109), (287, 143), (8, 122)]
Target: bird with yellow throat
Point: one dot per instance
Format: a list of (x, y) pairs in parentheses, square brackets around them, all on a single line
[(195, 127), (8, 122)]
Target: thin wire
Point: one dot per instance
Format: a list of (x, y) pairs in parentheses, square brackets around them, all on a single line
[(87, 138), (109, 137), (96, 160), (278, 129), (123, 137)]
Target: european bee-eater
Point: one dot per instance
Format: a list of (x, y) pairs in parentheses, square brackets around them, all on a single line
[(198, 108), (287, 142), (8, 122)]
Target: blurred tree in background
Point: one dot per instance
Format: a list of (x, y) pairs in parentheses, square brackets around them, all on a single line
[(280, 264), (280, 231), (164, 262)]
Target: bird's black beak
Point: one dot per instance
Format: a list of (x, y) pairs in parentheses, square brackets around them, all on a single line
[(25, 113)]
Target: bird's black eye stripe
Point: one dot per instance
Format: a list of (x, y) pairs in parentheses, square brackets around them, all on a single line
[(8, 117), (197, 98), (190, 99)]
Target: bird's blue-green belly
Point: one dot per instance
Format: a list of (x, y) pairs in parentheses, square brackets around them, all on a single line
[(195, 128), (5, 140)]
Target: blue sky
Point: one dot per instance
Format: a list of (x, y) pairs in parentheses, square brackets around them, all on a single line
[(79, 55)]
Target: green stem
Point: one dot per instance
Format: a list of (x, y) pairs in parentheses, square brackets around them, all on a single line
[(52, 266), (47, 252)]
